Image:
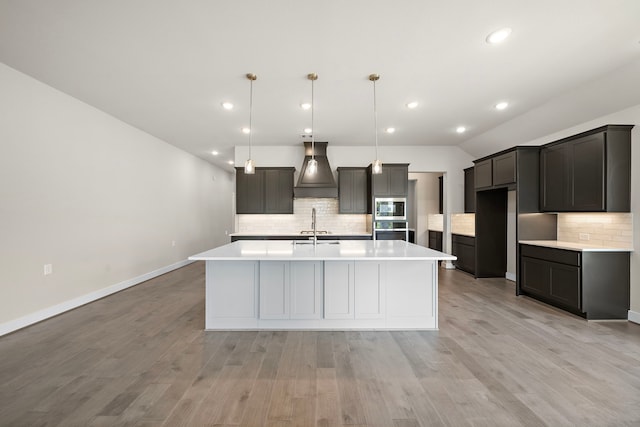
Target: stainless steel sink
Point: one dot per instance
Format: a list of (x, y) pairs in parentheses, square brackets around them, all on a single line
[(319, 242)]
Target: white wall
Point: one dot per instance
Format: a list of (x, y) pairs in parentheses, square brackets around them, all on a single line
[(100, 200)]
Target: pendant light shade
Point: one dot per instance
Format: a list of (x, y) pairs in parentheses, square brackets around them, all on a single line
[(377, 164), (312, 166), (249, 166)]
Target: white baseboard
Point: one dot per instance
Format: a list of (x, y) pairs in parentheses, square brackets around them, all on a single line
[(41, 315), (510, 276), (633, 316)]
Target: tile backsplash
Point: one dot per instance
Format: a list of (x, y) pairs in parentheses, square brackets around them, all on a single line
[(327, 218), (606, 229), (463, 224), (435, 222)]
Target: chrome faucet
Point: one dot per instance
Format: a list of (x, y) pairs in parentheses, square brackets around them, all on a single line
[(313, 226)]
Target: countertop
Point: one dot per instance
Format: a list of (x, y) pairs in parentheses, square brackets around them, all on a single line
[(464, 234), (582, 247), (299, 234), (286, 250)]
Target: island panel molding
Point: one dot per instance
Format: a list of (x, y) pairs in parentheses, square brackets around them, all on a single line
[(388, 284)]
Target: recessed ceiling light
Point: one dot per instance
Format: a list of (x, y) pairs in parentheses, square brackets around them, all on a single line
[(461, 129), (231, 162), (246, 130), (227, 106), (308, 130), (215, 153), (502, 105), (305, 106), (412, 104), (498, 36), (390, 130)]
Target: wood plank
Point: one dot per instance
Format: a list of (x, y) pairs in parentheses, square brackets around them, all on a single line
[(141, 357)]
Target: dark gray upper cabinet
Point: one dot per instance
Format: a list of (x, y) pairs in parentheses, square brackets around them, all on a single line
[(353, 190), (249, 192), (469, 191), (504, 168), (267, 191), (589, 172), (498, 170), (278, 191), (392, 182), (483, 172)]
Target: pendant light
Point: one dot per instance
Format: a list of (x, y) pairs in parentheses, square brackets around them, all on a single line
[(312, 166), (249, 166), (377, 164)]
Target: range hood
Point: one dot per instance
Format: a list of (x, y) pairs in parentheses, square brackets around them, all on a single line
[(320, 184)]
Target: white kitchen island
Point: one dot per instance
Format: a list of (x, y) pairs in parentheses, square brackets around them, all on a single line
[(358, 284)]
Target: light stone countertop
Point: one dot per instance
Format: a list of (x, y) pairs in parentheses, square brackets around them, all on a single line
[(286, 250), (298, 234), (582, 247)]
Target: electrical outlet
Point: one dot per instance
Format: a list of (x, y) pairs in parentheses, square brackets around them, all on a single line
[(584, 236), (173, 243), (48, 269)]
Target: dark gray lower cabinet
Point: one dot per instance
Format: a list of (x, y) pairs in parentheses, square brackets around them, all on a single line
[(594, 285), (435, 240), (464, 247)]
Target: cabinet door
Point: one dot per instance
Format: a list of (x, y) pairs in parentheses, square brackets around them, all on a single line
[(554, 180), (504, 168), (393, 181), (249, 192), (369, 289), (398, 181), (339, 290), (352, 191), (483, 174), (360, 194), (564, 284), (278, 191), (535, 276), (467, 258), (381, 183), (469, 191), (274, 290), (306, 289), (587, 157)]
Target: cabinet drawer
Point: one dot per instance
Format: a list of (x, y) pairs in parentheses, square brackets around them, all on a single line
[(463, 240), (561, 256)]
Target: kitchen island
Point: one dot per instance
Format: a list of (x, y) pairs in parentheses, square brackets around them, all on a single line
[(286, 284)]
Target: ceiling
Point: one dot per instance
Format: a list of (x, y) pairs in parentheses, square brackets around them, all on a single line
[(166, 66)]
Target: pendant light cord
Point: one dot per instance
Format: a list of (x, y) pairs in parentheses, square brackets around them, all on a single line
[(375, 116), (250, 115), (313, 130), (313, 77)]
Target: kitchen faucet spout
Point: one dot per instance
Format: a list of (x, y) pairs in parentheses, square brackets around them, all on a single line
[(313, 226)]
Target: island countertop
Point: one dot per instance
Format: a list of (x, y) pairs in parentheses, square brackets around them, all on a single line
[(287, 250)]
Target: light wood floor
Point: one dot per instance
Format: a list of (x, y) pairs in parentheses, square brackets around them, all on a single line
[(141, 358)]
